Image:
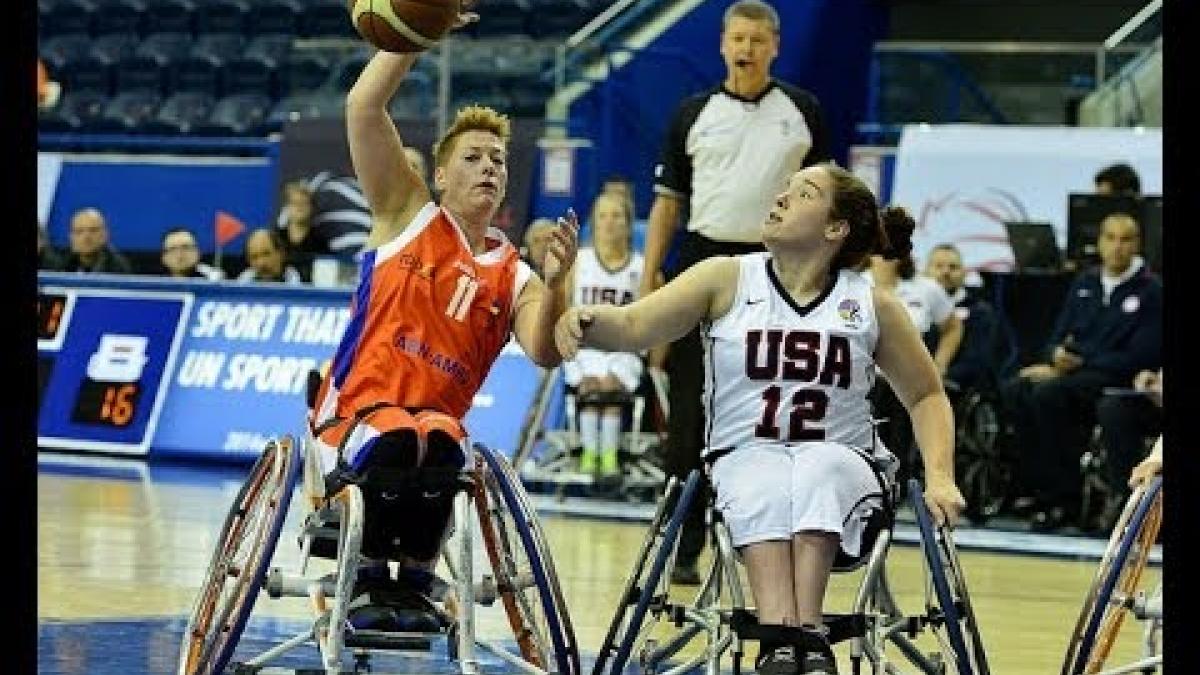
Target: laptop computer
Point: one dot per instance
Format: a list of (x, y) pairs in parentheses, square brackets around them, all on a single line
[(1034, 247)]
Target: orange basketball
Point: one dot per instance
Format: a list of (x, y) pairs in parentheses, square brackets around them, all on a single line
[(403, 26)]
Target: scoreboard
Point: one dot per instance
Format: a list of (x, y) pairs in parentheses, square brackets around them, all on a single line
[(102, 357)]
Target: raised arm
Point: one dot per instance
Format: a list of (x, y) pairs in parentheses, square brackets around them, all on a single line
[(913, 376), (394, 191), (704, 291)]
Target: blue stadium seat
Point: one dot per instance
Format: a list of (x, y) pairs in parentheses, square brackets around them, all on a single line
[(113, 47), (275, 16), (238, 115), (273, 47), (76, 111), (221, 16), (87, 73), (118, 16), (197, 75), (248, 76), (58, 51), (303, 106), (411, 107), (555, 18), (66, 16), (503, 17), (165, 47), (179, 114), (127, 112), (220, 47), (304, 72), (327, 18), (139, 73), (346, 70), (168, 16)]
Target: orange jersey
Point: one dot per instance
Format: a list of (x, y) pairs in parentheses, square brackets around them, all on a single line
[(428, 319)]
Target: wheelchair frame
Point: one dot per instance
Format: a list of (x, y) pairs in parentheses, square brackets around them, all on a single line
[(522, 574), (719, 611), (1113, 592), (556, 464)]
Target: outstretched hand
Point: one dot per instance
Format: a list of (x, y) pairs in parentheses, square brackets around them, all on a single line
[(561, 249), (465, 16), (568, 332)]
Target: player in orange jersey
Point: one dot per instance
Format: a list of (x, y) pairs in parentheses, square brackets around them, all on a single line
[(440, 292)]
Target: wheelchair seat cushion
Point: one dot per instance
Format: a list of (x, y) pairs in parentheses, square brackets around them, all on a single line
[(386, 605)]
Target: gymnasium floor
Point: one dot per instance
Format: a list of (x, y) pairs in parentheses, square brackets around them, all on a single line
[(122, 548)]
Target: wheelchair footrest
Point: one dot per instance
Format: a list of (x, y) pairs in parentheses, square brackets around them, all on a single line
[(382, 640), (840, 627)]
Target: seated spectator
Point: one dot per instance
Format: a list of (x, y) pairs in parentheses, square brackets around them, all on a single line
[(1126, 422), (624, 186), (537, 241), (1118, 179), (48, 91), (181, 257), (928, 305), (606, 272), (973, 364), (49, 257), (266, 257), (90, 250), (325, 215), (1109, 328)]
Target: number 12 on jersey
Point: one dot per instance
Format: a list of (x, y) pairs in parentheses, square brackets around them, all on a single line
[(808, 405)]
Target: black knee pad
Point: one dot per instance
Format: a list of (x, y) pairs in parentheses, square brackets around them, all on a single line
[(409, 519)]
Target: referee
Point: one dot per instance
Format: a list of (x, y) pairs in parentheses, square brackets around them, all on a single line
[(728, 153)]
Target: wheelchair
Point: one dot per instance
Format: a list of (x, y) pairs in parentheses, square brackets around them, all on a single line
[(487, 497), (984, 460), (551, 456), (1115, 593), (651, 630)]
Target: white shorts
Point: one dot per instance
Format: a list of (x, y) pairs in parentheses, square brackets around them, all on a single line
[(595, 363), (770, 492)]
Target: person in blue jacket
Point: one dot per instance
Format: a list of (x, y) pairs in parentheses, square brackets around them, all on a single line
[(1109, 328)]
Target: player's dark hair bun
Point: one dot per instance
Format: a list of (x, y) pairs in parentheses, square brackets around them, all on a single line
[(898, 225)]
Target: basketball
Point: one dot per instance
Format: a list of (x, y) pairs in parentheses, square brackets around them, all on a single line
[(403, 26)]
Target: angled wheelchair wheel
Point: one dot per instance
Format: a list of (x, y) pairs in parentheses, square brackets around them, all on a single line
[(1116, 581), (239, 563), (647, 587), (949, 610), (533, 599), (631, 591), (983, 468)]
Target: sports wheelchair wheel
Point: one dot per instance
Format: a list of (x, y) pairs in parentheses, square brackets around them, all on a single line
[(647, 587), (528, 585), (952, 620), (1116, 581), (983, 467), (239, 563)]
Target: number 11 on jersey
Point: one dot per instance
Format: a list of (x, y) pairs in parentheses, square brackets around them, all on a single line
[(464, 295)]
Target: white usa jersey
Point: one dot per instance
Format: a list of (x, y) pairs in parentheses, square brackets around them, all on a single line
[(595, 284), (776, 372)]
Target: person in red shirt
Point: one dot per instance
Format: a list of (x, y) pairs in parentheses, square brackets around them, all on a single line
[(440, 293)]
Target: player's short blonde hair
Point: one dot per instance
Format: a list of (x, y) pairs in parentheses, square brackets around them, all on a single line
[(471, 118)]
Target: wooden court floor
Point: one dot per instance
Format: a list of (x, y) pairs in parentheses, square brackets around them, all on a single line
[(124, 543)]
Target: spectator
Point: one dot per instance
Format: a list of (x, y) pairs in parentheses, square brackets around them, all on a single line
[(1118, 179), (1109, 328), (973, 364), (1126, 422), (607, 272), (48, 91), (325, 215), (728, 153), (90, 250), (181, 257), (622, 185), (49, 257), (928, 307), (537, 240), (266, 257)]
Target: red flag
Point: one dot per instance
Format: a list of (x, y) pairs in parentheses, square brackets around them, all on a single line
[(227, 228)]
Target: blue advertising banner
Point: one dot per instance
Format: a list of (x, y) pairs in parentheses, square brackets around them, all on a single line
[(101, 360), (224, 366)]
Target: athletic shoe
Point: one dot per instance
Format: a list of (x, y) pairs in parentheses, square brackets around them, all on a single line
[(588, 461), (778, 661), (609, 464)]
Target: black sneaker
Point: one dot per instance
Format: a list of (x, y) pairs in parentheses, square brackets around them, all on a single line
[(383, 604), (685, 574), (816, 654), (778, 661)]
